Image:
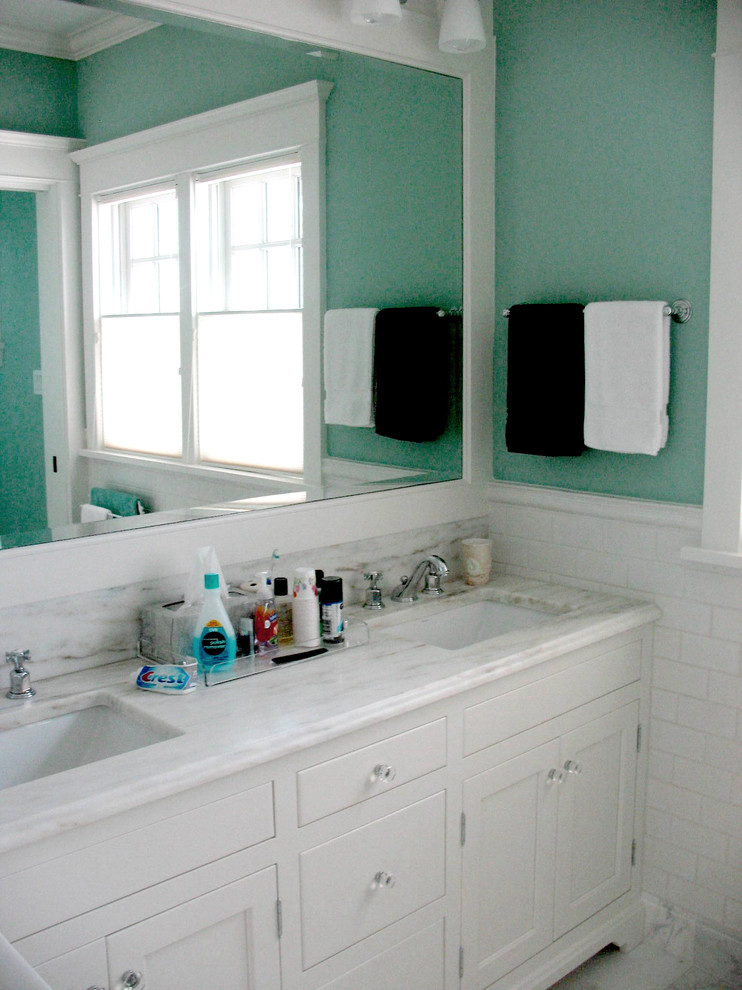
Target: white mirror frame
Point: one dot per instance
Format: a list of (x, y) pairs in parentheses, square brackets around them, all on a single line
[(39, 573)]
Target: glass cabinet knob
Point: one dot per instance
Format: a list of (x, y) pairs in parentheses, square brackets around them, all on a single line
[(383, 773), (383, 881)]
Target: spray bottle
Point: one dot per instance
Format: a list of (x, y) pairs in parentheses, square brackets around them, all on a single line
[(266, 619), (214, 642)]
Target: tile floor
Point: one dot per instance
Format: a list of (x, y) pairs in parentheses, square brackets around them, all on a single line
[(648, 967)]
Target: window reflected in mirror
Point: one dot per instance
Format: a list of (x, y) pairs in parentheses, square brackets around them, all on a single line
[(138, 412)]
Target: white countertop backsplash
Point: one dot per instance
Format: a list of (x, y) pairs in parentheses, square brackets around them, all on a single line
[(231, 727), (75, 632)]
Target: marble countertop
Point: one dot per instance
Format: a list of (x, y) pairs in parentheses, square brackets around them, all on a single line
[(230, 727)]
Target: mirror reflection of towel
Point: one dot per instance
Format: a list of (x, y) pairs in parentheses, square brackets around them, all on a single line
[(119, 503), (412, 372), (546, 380), (348, 366), (94, 513)]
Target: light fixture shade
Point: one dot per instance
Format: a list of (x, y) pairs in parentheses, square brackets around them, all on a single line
[(375, 11), (462, 28)]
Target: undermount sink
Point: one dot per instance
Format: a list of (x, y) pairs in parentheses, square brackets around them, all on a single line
[(464, 625), (72, 739)]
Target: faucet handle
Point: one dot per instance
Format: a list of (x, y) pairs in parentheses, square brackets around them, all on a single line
[(373, 592), (18, 658), (20, 679)]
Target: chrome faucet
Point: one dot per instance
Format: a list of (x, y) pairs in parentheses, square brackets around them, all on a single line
[(20, 679), (433, 568)]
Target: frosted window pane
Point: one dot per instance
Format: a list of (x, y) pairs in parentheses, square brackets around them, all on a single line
[(168, 226), (250, 389), (109, 296), (142, 227), (247, 285), (280, 200), (144, 290), (169, 287), (299, 207), (140, 384), (283, 282), (206, 244), (247, 213)]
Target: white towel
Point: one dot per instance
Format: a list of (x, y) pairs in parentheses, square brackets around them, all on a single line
[(627, 376), (349, 366), (94, 513)]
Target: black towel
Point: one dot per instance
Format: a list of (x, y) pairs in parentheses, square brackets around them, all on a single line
[(546, 380), (412, 373)]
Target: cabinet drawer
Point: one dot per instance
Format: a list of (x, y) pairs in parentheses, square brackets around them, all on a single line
[(415, 964), (349, 779), (40, 896), (342, 901), (492, 721)]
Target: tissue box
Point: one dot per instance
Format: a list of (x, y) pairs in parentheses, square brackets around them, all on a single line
[(167, 628)]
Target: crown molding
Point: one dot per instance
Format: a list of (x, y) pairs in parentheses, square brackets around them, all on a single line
[(95, 37)]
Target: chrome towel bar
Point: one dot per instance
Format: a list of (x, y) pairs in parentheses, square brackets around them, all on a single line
[(680, 311)]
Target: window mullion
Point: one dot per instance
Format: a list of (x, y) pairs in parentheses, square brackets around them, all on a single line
[(124, 266), (224, 241), (188, 342)]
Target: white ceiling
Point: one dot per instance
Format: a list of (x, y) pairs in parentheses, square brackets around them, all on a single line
[(63, 30)]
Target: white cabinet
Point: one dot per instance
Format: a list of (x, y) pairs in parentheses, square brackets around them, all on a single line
[(548, 843), (360, 838), (596, 816), (367, 879), (414, 964), (508, 869), (79, 969), (363, 774), (227, 938)]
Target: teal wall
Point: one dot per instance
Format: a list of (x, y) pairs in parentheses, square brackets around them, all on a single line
[(38, 94), (22, 492), (604, 113), (394, 171)]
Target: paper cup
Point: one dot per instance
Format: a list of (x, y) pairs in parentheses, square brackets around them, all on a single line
[(476, 555)]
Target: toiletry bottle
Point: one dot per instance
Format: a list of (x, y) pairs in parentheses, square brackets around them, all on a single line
[(245, 646), (266, 620), (214, 643), (319, 576), (306, 608), (331, 609), (284, 602)]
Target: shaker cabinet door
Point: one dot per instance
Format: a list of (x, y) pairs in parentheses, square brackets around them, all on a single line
[(508, 865), (227, 938), (596, 816), (79, 969)]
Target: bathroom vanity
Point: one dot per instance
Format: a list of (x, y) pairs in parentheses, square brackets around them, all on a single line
[(398, 815)]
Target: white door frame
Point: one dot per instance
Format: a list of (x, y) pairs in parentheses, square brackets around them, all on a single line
[(40, 164)]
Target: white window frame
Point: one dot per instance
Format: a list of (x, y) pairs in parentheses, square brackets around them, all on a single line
[(288, 122), (721, 541)]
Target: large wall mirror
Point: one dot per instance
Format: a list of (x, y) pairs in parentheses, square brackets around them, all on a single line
[(393, 239)]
